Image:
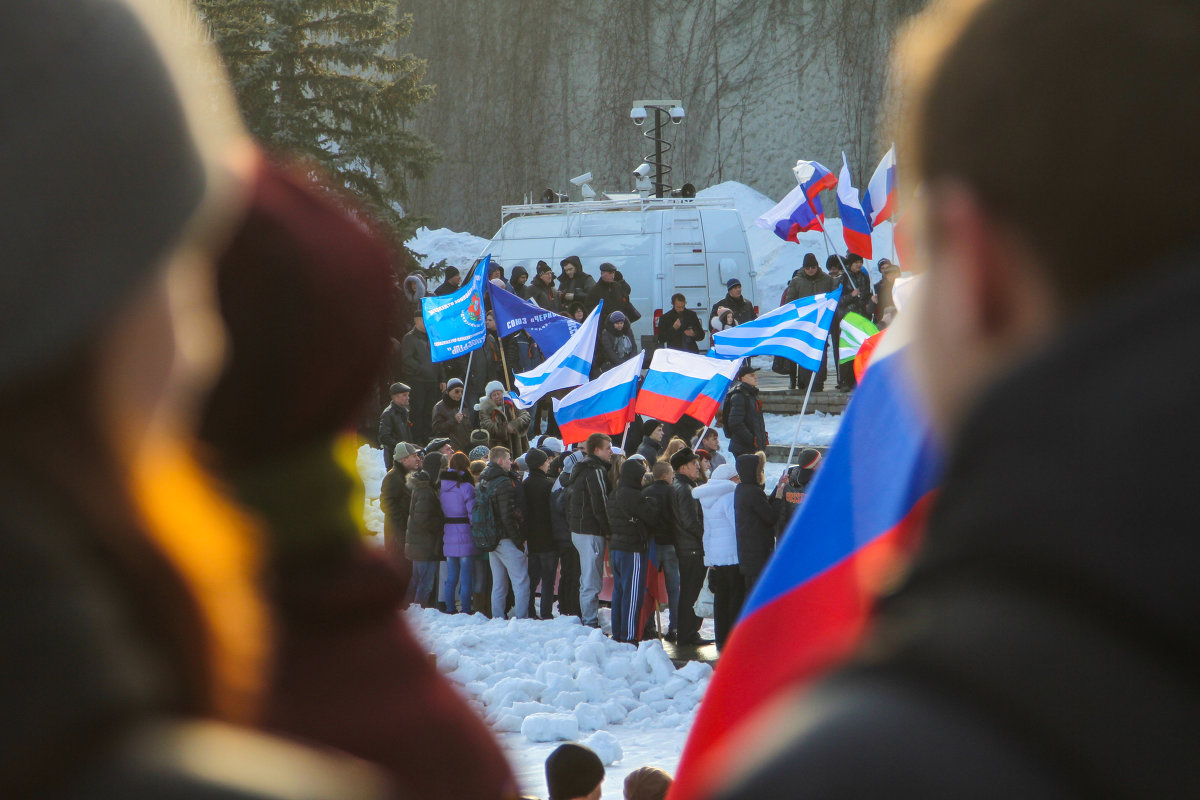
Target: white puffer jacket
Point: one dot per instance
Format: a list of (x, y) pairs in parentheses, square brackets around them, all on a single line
[(720, 532)]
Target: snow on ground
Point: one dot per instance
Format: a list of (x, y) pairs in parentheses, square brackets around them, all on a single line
[(456, 249), (371, 469), (539, 683)]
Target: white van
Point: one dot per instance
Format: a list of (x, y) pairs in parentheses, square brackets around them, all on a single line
[(661, 246)]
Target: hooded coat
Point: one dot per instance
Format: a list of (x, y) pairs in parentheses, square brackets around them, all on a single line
[(520, 287), (425, 520), (720, 532), (395, 499), (578, 285), (630, 513), (505, 425), (615, 347), (456, 491), (756, 518)]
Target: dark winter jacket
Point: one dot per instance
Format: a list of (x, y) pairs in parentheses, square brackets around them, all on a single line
[(587, 497), (793, 496), (668, 336), (745, 426), (394, 428), (394, 500), (416, 360), (615, 348), (423, 539), (742, 308), (651, 450), (505, 508), (756, 517), (546, 296), (686, 514), (614, 293), (485, 368), (506, 426), (578, 286), (520, 288), (630, 513), (445, 424), (446, 288), (538, 527), (804, 286), (1043, 641), (662, 525), (849, 303)]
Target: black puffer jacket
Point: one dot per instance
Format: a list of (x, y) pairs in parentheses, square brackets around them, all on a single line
[(587, 497), (650, 449), (686, 514), (745, 425), (539, 529), (662, 526), (426, 522), (849, 303), (394, 427), (630, 513), (506, 509), (395, 498), (755, 516)]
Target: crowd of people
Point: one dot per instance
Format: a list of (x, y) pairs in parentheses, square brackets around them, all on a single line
[(510, 520)]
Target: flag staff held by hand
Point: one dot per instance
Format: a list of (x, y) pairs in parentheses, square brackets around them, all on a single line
[(462, 400), (812, 374)]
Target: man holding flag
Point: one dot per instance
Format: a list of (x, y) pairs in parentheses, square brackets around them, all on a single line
[(1042, 642)]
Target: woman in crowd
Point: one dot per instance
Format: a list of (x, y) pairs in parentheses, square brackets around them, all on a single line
[(506, 426), (457, 494), (674, 446), (720, 548), (616, 343)]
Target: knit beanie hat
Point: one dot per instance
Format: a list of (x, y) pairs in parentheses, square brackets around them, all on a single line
[(492, 386), (617, 316), (479, 453), (100, 173), (810, 260), (573, 771), (450, 272), (535, 458)]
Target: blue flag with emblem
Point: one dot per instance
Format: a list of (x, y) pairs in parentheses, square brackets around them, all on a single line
[(455, 322), (567, 368), (551, 331)]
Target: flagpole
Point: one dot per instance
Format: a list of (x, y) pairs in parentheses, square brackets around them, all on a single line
[(803, 408), (625, 436), (467, 379), (503, 361)]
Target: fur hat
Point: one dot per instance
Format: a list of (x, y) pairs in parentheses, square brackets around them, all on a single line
[(725, 472), (682, 458), (492, 386), (480, 436)]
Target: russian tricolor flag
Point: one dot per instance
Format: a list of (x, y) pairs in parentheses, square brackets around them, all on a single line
[(681, 383), (880, 200), (604, 405), (801, 210), (851, 536), (856, 227)]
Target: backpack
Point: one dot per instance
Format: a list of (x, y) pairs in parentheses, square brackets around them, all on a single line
[(725, 411), (483, 516)]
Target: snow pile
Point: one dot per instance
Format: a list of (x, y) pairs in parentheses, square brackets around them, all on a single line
[(456, 249), (816, 429), (539, 683), (774, 259), (371, 469)]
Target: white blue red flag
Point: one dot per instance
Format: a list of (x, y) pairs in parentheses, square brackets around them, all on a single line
[(681, 383), (801, 210), (880, 200), (796, 330), (856, 227), (604, 405), (564, 369), (856, 528)]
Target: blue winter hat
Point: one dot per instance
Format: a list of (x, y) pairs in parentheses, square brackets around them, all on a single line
[(732, 282)]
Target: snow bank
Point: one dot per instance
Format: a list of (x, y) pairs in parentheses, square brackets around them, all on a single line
[(456, 249), (539, 683), (371, 469)]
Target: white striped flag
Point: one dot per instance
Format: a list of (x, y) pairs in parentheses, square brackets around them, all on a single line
[(856, 329), (796, 330), (604, 405), (568, 367)]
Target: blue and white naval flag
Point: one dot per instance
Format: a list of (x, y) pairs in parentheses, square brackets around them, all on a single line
[(796, 330), (565, 369)]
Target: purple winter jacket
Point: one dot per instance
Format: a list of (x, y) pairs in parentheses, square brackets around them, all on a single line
[(458, 498)]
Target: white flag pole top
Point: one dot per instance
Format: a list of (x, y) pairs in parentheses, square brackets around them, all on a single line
[(568, 367)]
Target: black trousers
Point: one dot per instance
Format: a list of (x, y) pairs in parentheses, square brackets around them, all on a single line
[(568, 580), (425, 395), (729, 592), (543, 569), (691, 581)]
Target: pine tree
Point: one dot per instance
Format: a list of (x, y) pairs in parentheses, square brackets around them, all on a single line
[(326, 80)]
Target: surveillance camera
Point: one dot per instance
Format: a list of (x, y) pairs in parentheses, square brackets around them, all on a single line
[(638, 115), (643, 170), (580, 180), (677, 114)]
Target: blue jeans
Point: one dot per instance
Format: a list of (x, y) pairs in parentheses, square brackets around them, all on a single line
[(629, 587), (668, 562), (420, 588), (460, 571)]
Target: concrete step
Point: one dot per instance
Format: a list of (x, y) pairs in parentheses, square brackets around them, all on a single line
[(786, 401), (778, 452)]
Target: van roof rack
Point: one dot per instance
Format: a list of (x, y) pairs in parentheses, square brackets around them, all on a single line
[(587, 206)]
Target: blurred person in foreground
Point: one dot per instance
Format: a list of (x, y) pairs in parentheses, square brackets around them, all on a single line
[(135, 639), (1043, 643), (347, 673)]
